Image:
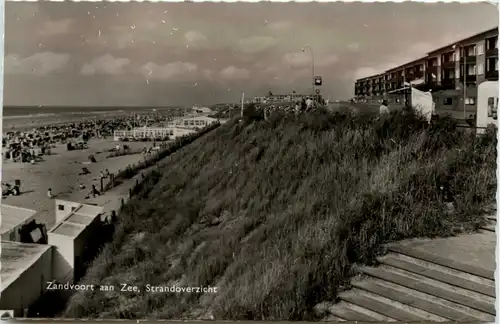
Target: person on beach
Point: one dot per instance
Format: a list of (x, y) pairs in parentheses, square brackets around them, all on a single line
[(95, 192), (50, 194)]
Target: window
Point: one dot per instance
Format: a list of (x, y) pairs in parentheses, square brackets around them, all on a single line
[(471, 70), (73, 208), (447, 101), (455, 57), (496, 65), (492, 107), (480, 49), (471, 51), (480, 69), (470, 101), (60, 207)]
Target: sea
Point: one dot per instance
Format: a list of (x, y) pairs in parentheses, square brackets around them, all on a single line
[(47, 111)]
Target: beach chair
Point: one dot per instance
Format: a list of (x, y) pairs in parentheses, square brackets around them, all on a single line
[(84, 171)]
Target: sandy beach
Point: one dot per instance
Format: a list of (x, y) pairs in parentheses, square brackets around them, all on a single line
[(60, 172)]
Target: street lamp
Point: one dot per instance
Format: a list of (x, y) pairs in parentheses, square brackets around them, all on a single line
[(465, 75), (303, 49)]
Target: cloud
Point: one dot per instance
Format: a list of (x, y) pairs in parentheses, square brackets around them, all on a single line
[(234, 73), (125, 40), (56, 27), (207, 73), (106, 64), (365, 71), (411, 53), (256, 44), (174, 70), (37, 64), (270, 69), (194, 36), (353, 47), (279, 25), (301, 60)]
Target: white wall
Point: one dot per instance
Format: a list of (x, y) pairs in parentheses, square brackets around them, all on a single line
[(63, 257), (86, 235), (61, 214), (178, 132), (29, 287)]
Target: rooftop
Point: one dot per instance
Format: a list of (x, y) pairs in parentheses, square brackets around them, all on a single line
[(449, 46), (77, 220), (16, 258), (12, 216)]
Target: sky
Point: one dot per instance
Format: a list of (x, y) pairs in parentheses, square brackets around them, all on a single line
[(166, 54)]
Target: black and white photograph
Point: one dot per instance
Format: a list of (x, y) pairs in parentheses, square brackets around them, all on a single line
[(249, 161)]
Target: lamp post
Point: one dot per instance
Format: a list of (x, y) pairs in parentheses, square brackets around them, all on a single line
[(312, 65), (465, 75)]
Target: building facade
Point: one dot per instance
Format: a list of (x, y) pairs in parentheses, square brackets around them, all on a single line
[(277, 98), (446, 71)]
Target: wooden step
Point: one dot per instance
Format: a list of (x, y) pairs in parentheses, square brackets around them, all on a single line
[(453, 264), (387, 307), (432, 287), (440, 273), (421, 300), (349, 312)]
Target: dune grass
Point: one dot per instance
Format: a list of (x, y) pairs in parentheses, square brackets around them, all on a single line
[(274, 214)]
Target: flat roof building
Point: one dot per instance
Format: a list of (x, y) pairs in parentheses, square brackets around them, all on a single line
[(25, 271), (77, 231), (12, 219), (449, 71)]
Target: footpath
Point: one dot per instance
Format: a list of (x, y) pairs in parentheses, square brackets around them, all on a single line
[(446, 279)]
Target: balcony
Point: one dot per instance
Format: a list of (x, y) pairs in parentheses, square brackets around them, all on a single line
[(491, 75), (417, 75), (469, 60), (431, 69), (492, 52), (448, 64), (448, 83), (468, 78)]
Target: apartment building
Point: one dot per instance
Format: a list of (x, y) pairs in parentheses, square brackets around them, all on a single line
[(447, 71)]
